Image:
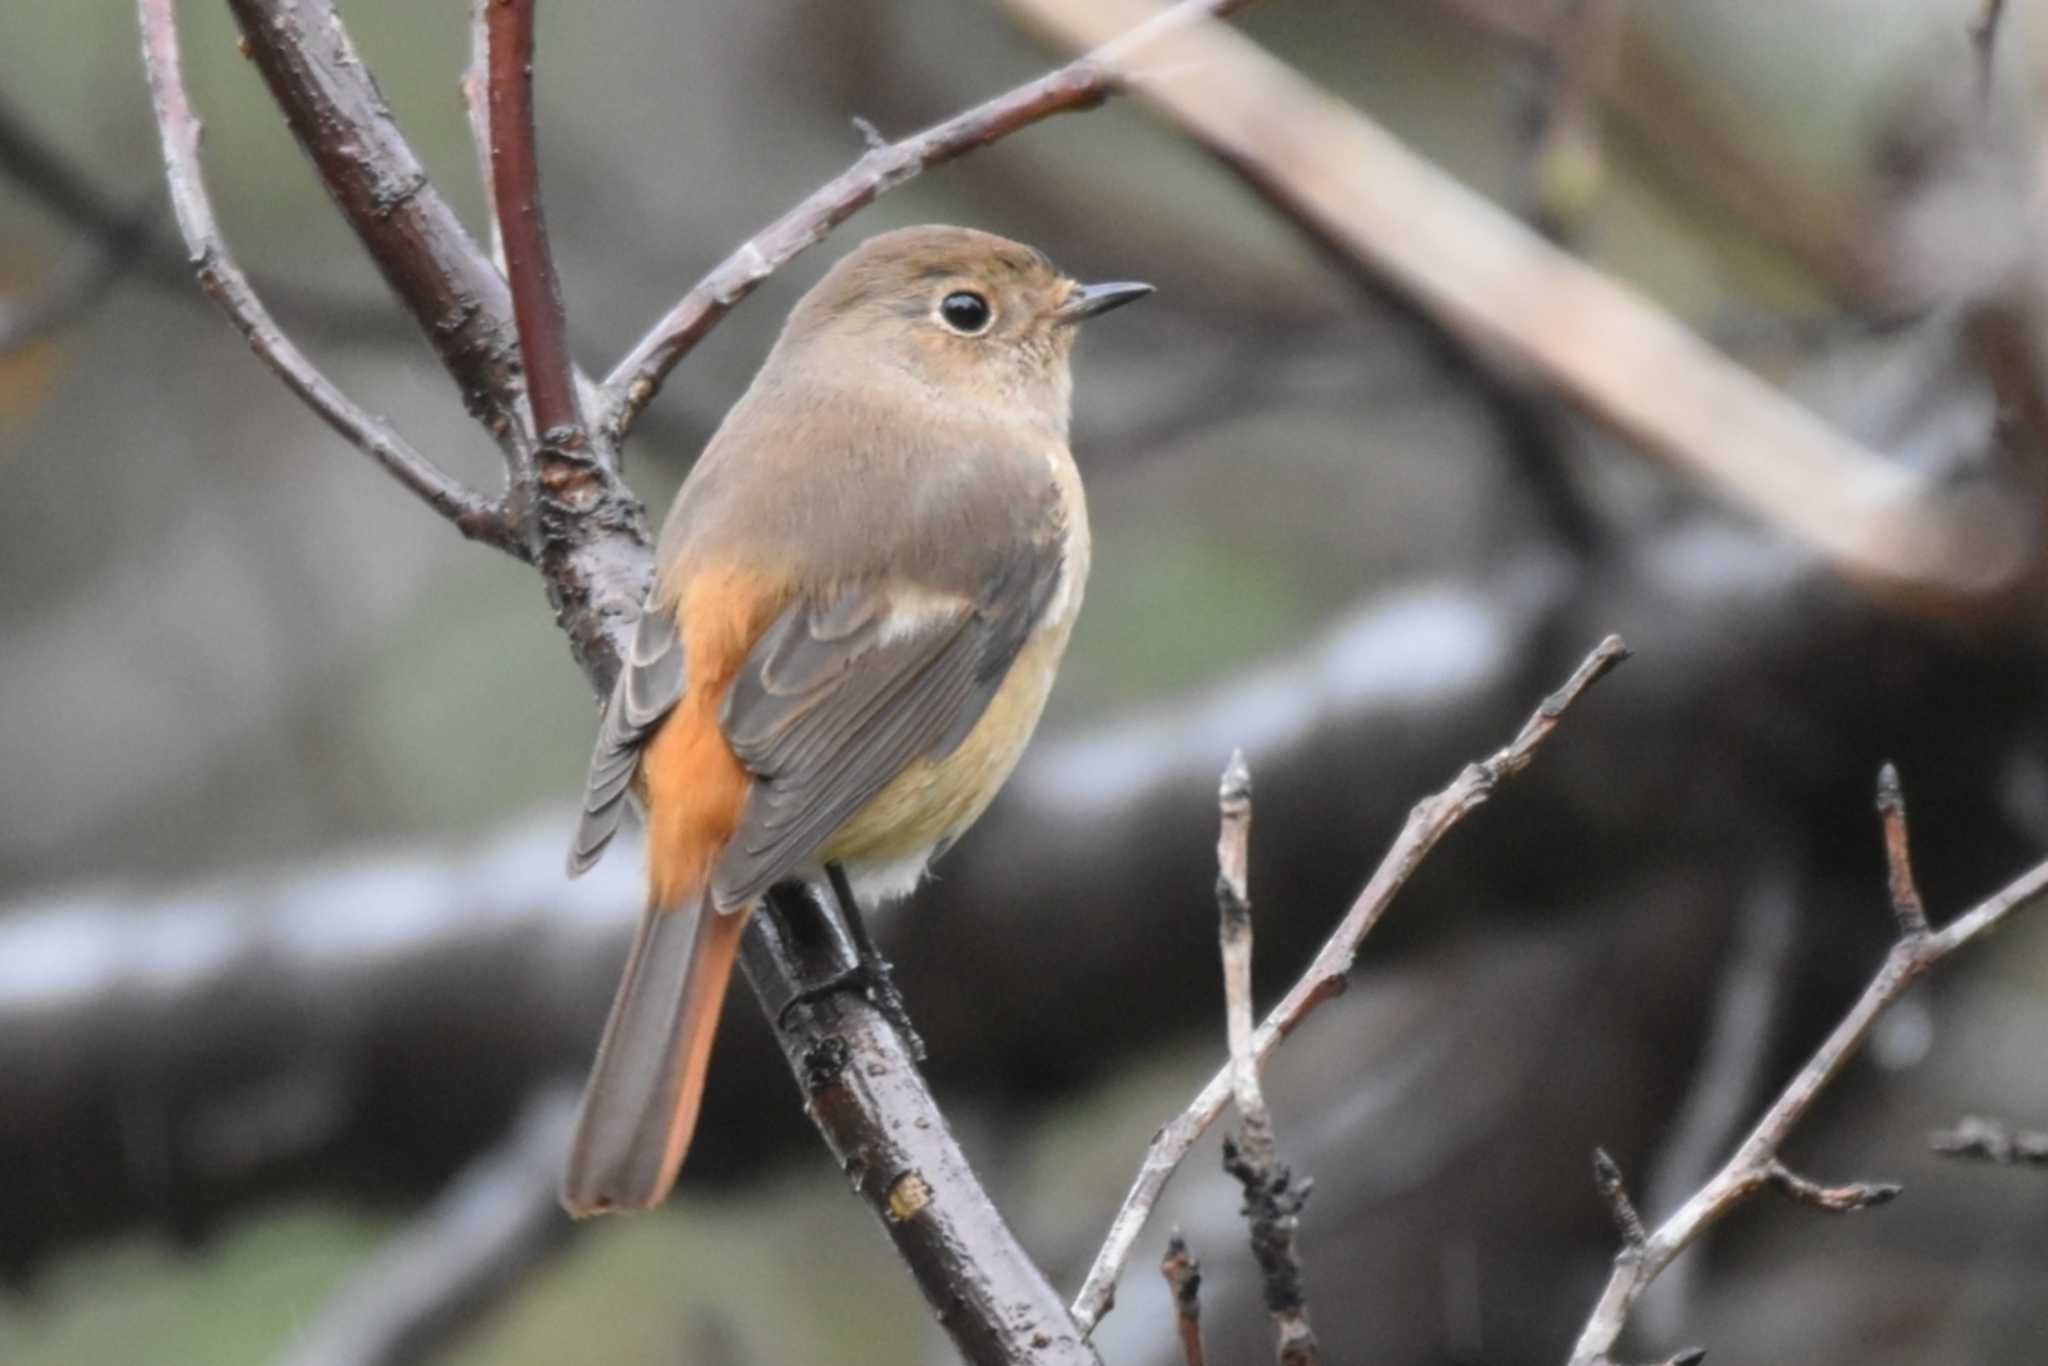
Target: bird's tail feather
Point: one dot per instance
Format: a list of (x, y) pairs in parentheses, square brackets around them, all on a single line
[(640, 1107)]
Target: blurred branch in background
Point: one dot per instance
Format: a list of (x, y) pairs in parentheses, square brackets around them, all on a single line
[(466, 1250), (119, 239), (1603, 344)]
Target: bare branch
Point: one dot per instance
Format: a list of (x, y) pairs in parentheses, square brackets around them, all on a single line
[(1081, 84), (1184, 1277), (1607, 1180), (1994, 1141), (494, 1222), (413, 236), (1427, 824), (1622, 359), (522, 227), (1830, 1199), (862, 1089), (1907, 908), (1755, 1164), (1273, 1200), (476, 517)]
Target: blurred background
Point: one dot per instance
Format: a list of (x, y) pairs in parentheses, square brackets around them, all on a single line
[(292, 990)]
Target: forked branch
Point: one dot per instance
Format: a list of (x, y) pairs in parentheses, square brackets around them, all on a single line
[(1756, 1165), (478, 518), (1080, 84), (1427, 824)]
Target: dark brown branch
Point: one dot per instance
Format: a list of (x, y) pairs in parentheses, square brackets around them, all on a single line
[(477, 517), (862, 1089), (1184, 1278), (1427, 824), (1994, 1141), (515, 197), (1273, 1199), (1755, 1164), (377, 182), (1080, 84)]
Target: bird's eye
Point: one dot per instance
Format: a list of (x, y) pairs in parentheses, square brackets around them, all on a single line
[(965, 312)]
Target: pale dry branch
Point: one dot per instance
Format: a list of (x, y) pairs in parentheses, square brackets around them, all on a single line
[(1273, 1198), (1081, 84), (1618, 356), (1428, 822), (1756, 1164), (477, 517)]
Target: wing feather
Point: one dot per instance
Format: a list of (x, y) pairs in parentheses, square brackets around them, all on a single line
[(651, 680), (840, 696)]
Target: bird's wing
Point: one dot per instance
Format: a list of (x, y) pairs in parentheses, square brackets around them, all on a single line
[(651, 679), (840, 695)]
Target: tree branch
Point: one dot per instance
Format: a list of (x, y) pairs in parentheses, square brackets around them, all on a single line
[(1756, 1164), (477, 518), (1081, 84), (1621, 359), (1427, 824), (522, 227), (377, 182), (1184, 1279), (1273, 1199), (862, 1089)]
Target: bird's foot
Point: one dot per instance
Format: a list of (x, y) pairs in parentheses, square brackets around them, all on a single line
[(872, 979)]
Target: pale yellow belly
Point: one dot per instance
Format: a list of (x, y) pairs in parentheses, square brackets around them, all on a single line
[(935, 799)]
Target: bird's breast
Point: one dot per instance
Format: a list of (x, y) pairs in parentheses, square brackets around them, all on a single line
[(935, 799)]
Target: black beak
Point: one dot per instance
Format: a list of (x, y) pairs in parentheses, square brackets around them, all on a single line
[(1091, 300)]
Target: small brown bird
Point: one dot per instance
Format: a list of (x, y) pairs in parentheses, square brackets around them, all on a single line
[(863, 590)]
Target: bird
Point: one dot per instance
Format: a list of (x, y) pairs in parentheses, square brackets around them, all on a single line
[(862, 592)]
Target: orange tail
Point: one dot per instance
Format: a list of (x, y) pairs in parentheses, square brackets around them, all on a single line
[(641, 1105)]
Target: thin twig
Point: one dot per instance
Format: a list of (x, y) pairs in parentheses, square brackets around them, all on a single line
[(1427, 824), (1184, 1278), (1756, 1164), (1273, 1199), (529, 264), (1907, 908), (1994, 1141), (443, 278), (1621, 359), (477, 517), (1080, 84)]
